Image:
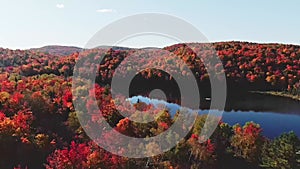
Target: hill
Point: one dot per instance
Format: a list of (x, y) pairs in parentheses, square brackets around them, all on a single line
[(57, 50)]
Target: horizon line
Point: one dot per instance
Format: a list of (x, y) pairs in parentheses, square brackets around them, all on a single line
[(130, 46)]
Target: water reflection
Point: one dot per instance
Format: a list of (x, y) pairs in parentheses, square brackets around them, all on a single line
[(273, 124)]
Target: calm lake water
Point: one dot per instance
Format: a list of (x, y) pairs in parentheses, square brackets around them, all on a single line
[(273, 124)]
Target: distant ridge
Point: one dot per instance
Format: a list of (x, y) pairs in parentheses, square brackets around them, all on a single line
[(123, 48), (57, 50), (113, 47), (67, 50)]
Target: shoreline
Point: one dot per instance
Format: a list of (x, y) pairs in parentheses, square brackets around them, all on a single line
[(280, 94)]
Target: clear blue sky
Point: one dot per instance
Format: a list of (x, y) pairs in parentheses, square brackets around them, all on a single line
[(35, 23)]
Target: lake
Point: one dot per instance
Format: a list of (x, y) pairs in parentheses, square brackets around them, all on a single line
[(273, 124)]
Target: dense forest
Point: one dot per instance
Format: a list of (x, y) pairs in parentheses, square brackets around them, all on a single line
[(39, 127)]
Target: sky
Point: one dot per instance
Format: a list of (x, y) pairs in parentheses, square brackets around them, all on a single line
[(33, 23)]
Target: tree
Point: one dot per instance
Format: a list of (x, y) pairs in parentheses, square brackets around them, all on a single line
[(247, 142), (282, 152)]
